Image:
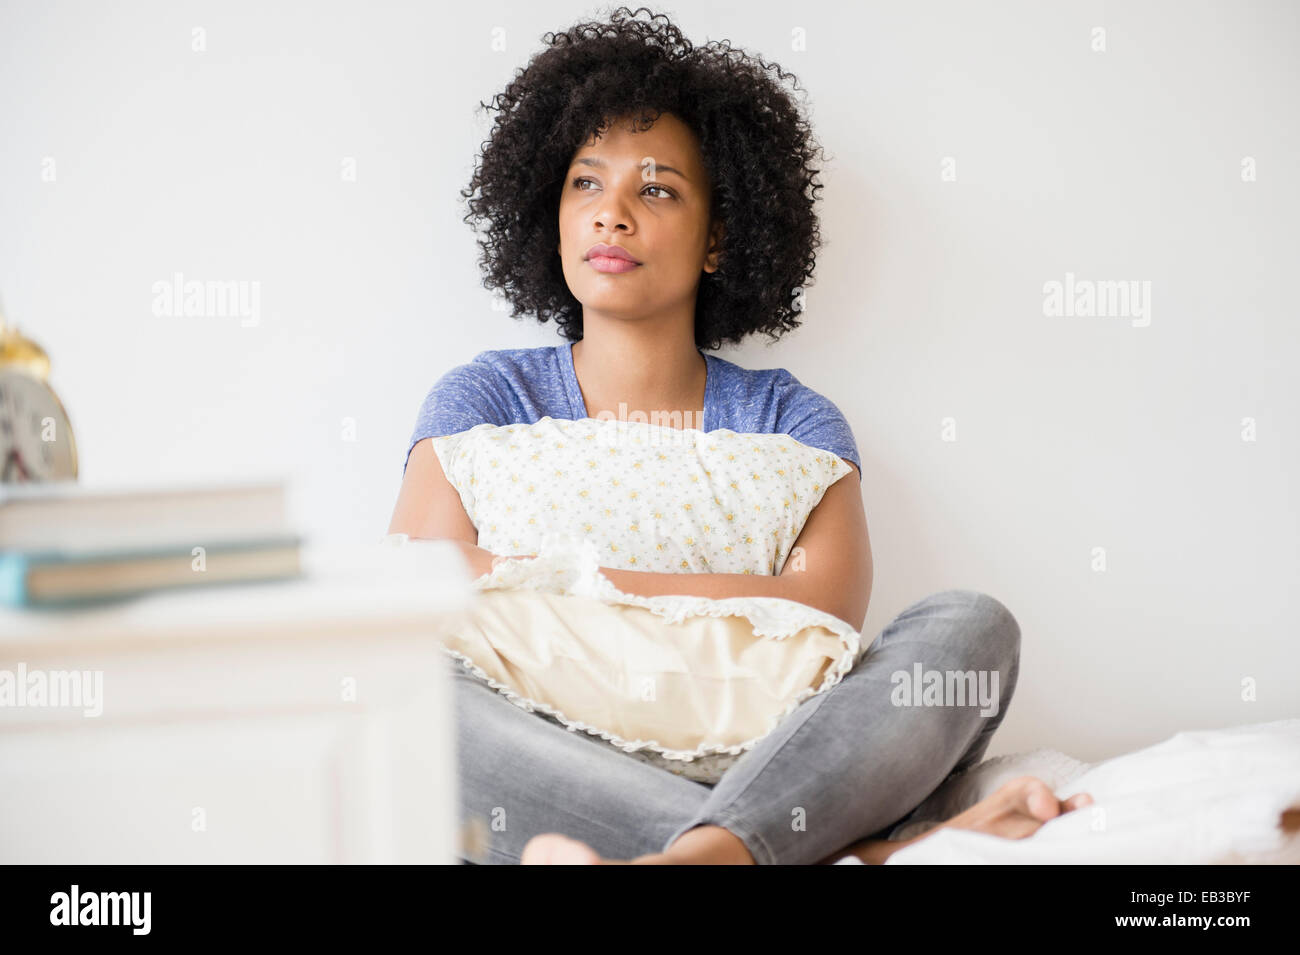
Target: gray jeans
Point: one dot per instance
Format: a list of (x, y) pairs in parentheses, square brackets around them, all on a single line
[(847, 764)]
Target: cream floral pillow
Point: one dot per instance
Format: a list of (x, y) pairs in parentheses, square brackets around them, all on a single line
[(685, 683), (648, 496)]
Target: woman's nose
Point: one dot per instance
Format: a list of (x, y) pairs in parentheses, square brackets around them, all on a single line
[(612, 214)]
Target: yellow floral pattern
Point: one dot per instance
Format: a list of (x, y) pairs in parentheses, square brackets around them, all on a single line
[(649, 496)]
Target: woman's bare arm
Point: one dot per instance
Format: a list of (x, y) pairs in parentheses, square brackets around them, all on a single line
[(831, 561), (427, 505)]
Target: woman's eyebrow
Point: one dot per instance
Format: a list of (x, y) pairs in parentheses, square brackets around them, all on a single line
[(600, 164)]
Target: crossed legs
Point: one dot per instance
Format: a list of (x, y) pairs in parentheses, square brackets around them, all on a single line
[(839, 773)]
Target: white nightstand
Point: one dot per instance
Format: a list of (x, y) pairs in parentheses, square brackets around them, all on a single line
[(294, 721)]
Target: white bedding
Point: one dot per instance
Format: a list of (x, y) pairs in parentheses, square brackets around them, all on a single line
[(1199, 797)]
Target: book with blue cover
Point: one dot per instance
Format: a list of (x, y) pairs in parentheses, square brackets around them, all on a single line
[(64, 544), (59, 579)]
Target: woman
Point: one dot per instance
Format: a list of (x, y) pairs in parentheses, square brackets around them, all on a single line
[(656, 200)]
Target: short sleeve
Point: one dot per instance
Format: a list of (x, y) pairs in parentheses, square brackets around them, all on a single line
[(467, 395), (815, 420), (455, 454)]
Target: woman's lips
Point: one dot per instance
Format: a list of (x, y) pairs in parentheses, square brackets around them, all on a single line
[(608, 263)]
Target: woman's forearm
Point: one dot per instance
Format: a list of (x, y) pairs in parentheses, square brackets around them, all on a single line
[(800, 586), (797, 586), (645, 583)]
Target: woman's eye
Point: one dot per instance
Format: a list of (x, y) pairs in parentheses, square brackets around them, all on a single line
[(579, 182)]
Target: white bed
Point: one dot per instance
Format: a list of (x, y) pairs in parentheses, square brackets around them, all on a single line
[(1199, 797)]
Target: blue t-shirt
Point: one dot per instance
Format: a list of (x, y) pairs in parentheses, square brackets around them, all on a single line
[(523, 385)]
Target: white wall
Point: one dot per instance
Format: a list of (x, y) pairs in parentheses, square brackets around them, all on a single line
[(1071, 433)]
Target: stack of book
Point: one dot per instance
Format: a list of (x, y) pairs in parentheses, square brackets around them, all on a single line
[(63, 543)]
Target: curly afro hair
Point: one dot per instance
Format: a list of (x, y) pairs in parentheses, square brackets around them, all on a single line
[(757, 150)]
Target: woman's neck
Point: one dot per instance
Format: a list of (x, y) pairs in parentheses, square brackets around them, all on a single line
[(645, 368)]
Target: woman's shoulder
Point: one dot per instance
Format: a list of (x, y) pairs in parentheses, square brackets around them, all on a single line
[(771, 390), (775, 401), (508, 375), (515, 362), (499, 386)]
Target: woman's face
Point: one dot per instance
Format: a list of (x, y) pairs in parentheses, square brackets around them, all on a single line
[(647, 193)]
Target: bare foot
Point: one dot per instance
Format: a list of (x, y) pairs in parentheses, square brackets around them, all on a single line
[(555, 849), (1018, 808), (701, 845), (551, 848)]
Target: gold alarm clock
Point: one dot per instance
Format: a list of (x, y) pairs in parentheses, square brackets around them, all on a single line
[(36, 442)]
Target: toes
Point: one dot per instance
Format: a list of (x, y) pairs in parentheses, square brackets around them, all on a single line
[(582, 854), (1015, 790), (1077, 801), (555, 849), (537, 851), (1040, 800)]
